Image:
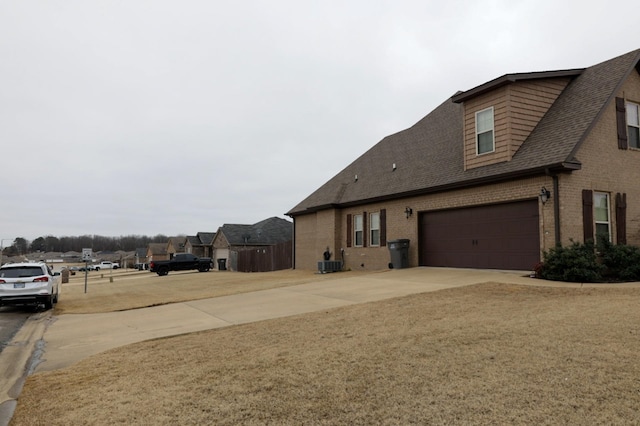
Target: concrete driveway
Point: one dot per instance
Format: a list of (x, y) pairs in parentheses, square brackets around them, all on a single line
[(71, 338)]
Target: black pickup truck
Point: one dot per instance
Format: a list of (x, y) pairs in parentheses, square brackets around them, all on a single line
[(180, 262)]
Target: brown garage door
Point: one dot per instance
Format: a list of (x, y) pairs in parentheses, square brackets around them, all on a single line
[(498, 236)]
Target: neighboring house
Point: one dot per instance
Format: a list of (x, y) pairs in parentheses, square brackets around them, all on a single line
[(190, 246), (176, 245), (72, 255), (231, 239), (141, 255), (157, 251), (200, 244), (491, 178)]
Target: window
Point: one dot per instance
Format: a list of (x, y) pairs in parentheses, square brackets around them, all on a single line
[(601, 215), (375, 229), (484, 131), (633, 124), (357, 230)]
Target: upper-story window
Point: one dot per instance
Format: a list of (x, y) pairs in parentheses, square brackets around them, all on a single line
[(358, 230), (485, 141), (633, 124)]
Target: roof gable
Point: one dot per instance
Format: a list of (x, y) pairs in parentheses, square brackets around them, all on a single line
[(513, 78), (206, 238), (267, 232), (428, 156)]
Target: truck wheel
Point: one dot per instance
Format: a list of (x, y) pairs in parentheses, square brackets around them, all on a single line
[(97, 268), (163, 271)]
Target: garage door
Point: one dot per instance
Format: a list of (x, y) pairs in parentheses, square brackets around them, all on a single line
[(499, 236)]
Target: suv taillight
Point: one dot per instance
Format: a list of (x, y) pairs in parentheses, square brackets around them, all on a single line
[(41, 280)]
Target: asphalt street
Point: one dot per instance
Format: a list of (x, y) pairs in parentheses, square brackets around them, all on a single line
[(11, 319)]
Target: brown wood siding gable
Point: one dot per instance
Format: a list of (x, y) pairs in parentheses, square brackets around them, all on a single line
[(621, 120), (349, 229), (621, 218), (587, 214)]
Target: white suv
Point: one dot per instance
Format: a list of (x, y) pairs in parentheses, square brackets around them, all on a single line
[(29, 283)]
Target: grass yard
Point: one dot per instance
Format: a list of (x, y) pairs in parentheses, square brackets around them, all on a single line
[(485, 354)]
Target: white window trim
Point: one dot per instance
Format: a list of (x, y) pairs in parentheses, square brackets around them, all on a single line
[(371, 229), (356, 230), (602, 222), (632, 125), (493, 132)]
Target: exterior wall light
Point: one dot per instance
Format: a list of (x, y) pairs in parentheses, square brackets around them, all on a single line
[(408, 212), (545, 195)]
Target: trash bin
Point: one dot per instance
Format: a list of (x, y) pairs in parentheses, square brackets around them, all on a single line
[(222, 264), (399, 251)]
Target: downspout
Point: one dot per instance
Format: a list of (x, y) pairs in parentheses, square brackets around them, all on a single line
[(556, 207), (293, 246)]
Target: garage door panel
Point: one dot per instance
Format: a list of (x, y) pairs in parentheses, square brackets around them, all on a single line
[(502, 236)]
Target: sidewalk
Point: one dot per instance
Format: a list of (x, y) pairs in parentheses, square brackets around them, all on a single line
[(71, 338)]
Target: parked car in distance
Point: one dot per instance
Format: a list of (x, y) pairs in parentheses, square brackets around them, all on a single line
[(141, 266), (106, 265), (72, 270), (29, 283), (180, 262), (87, 267)]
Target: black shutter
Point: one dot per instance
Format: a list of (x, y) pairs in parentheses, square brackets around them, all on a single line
[(349, 230), (364, 229), (383, 227), (621, 120), (587, 214), (621, 218)]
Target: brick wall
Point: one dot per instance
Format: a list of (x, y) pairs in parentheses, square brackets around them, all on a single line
[(313, 230), (605, 168)]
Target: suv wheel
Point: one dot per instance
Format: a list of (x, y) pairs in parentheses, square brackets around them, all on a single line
[(48, 303)]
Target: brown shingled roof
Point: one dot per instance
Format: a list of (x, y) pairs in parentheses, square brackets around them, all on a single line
[(428, 156)]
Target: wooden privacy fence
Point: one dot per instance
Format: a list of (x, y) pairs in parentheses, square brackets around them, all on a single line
[(265, 259)]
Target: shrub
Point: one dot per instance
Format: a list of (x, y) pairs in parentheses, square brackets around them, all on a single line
[(575, 263), (622, 262)]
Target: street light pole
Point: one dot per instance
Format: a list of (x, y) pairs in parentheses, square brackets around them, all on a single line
[(2, 248)]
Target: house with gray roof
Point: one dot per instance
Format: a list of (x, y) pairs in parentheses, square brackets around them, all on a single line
[(232, 238), (492, 178), (157, 251), (176, 245), (200, 244)]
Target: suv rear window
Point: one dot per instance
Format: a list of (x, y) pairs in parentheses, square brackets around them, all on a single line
[(21, 272)]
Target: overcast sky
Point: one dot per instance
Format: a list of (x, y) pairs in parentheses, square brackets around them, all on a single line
[(132, 117)]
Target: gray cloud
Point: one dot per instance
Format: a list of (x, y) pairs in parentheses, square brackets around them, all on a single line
[(147, 117)]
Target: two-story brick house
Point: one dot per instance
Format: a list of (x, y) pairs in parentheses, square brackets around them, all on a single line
[(491, 178)]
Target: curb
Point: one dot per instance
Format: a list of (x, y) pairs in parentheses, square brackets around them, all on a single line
[(17, 361)]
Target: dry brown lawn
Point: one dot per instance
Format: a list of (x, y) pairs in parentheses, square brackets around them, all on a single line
[(485, 354)]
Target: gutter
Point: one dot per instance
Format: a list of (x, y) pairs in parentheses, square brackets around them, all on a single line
[(556, 207), (562, 167)]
